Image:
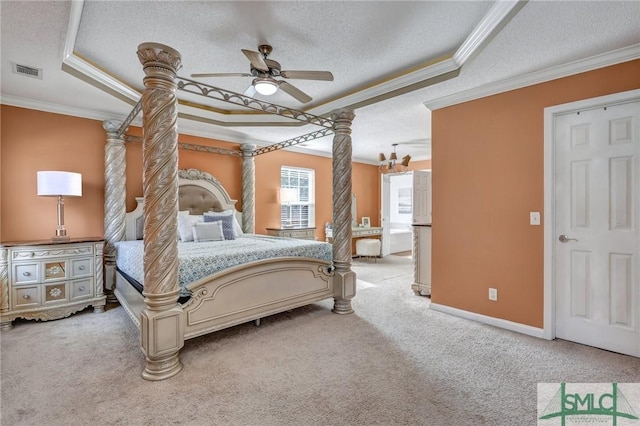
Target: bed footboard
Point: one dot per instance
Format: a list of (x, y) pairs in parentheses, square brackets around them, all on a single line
[(253, 291), (245, 293)]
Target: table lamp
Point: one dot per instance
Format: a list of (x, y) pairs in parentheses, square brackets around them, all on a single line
[(287, 196), (59, 184)]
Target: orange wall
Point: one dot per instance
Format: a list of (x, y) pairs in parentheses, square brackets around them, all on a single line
[(487, 176), (34, 140)]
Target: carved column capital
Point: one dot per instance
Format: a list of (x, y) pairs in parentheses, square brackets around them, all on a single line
[(111, 126), (159, 59), (247, 149), (343, 117)]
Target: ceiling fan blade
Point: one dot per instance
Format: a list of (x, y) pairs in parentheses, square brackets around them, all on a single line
[(250, 92), (295, 92), (221, 74), (256, 60), (308, 75)]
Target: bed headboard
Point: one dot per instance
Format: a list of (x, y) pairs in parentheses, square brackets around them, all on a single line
[(198, 192)]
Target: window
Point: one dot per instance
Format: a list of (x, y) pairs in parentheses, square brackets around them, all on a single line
[(298, 211)]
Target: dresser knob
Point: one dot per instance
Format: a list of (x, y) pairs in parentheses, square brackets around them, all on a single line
[(26, 274), (81, 288), (82, 267), (26, 296)]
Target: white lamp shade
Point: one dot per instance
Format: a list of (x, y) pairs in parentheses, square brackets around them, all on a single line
[(288, 195), (52, 184)]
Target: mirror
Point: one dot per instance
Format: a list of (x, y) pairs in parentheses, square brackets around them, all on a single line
[(354, 211)]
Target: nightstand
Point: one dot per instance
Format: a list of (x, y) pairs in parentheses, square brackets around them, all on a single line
[(47, 280), (299, 233)]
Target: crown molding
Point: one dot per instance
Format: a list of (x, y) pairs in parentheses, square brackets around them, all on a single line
[(59, 109), (497, 17), (613, 57)]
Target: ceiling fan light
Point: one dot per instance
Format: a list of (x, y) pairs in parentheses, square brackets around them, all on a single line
[(265, 86)]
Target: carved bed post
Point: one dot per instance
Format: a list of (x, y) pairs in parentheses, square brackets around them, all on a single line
[(344, 278), (161, 325), (115, 200), (248, 189)]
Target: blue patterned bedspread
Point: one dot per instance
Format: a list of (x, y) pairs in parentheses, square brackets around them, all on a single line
[(197, 260)]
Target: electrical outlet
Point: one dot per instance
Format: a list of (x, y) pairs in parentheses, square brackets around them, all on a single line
[(534, 218), (493, 294)]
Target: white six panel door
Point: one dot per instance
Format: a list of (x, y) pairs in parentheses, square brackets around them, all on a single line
[(597, 201)]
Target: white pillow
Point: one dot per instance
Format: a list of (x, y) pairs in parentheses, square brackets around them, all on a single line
[(185, 222), (237, 229), (207, 231), (236, 226)]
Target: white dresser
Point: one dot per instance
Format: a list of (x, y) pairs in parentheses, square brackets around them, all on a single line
[(47, 280), (299, 233)]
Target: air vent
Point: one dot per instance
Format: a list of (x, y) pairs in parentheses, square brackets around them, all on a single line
[(27, 71)]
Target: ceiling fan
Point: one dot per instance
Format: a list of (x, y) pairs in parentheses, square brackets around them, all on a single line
[(264, 70)]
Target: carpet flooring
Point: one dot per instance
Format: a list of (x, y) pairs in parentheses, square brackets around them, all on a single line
[(393, 362)]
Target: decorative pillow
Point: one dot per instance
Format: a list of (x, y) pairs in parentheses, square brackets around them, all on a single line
[(237, 229), (185, 222), (227, 225), (140, 224), (211, 231)]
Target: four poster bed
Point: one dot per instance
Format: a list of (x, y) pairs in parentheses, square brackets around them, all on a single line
[(224, 281), (169, 306)]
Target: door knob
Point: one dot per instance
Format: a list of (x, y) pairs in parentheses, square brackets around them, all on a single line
[(565, 239)]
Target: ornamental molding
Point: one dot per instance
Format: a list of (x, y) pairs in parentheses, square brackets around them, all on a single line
[(195, 174)]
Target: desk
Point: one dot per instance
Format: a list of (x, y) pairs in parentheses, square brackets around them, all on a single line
[(357, 232)]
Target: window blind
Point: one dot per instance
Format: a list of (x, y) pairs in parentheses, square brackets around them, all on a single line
[(299, 213)]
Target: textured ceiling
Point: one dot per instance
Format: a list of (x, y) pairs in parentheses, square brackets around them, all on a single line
[(372, 48)]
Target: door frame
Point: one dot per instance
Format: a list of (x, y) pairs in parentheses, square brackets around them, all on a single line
[(549, 325), (385, 213)]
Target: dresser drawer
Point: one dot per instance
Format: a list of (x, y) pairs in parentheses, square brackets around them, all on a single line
[(55, 270), (81, 288), (44, 252), (53, 293), (25, 273), (26, 297), (81, 267), (298, 234)]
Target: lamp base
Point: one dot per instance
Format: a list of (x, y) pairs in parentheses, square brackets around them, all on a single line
[(61, 234)]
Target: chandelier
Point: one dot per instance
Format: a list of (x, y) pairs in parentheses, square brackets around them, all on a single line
[(393, 166)]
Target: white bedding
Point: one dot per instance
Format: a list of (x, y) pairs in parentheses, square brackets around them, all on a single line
[(200, 259)]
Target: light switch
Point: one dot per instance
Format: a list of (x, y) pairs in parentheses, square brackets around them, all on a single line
[(534, 218)]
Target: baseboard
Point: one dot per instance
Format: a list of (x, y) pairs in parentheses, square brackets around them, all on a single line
[(496, 322)]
